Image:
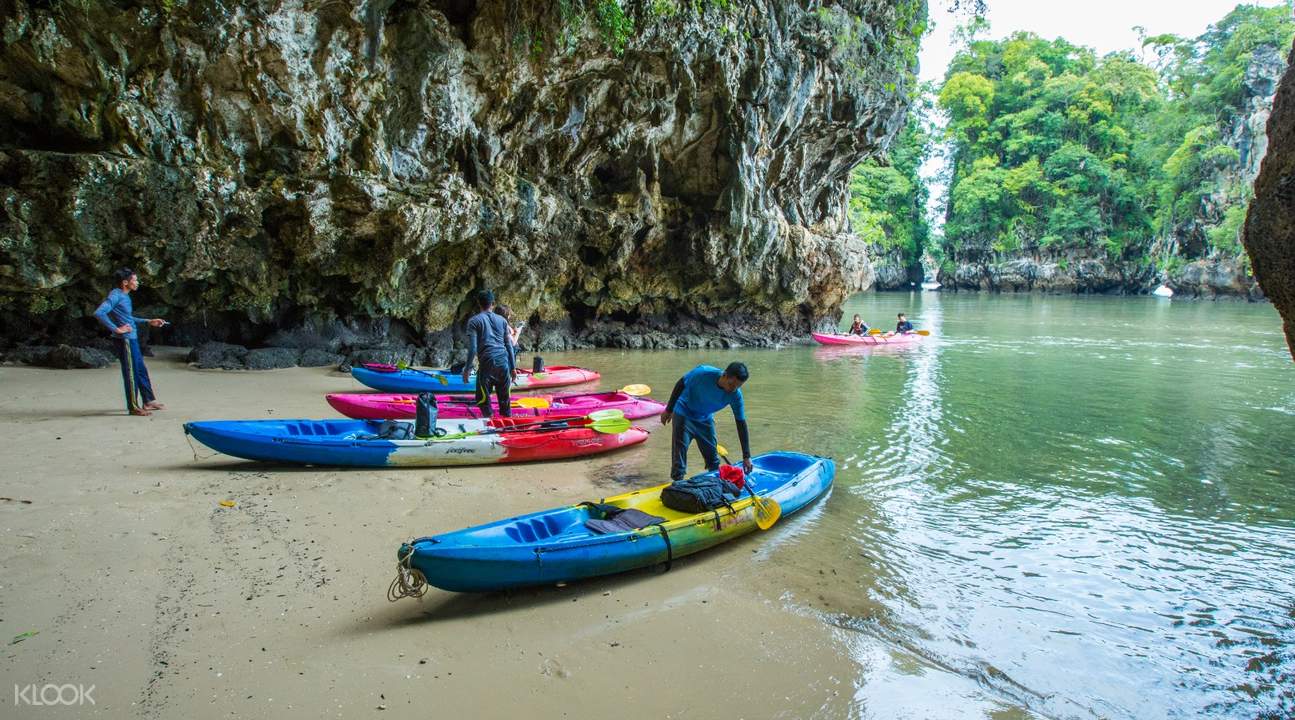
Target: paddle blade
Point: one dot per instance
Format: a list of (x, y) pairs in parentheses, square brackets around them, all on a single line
[(767, 512), (874, 331), (608, 414), (611, 426), (637, 390), (535, 403), (922, 332)]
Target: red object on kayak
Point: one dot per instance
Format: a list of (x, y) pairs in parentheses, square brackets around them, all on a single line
[(733, 474), (383, 406)]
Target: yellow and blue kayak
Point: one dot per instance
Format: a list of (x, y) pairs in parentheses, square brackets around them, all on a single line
[(554, 545)]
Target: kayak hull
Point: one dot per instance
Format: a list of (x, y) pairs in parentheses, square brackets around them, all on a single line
[(338, 443), (837, 339), (554, 546), (443, 381), (384, 406)]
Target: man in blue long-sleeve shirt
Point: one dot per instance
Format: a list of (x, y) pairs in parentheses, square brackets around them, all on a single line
[(490, 343), (117, 314), (696, 398)]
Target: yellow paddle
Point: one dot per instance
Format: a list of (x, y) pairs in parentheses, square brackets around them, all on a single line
[(876, 331), (636, 390), (767, 510)]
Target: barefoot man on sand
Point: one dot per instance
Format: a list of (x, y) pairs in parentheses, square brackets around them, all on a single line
[(117, 314)]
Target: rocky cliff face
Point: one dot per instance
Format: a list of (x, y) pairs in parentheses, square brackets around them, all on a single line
[(620, 173), (1204, 272), (1269, 234)]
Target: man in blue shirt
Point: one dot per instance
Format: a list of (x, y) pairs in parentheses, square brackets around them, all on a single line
[(117, 314), (903, 326), (696, 398), (490, 342)]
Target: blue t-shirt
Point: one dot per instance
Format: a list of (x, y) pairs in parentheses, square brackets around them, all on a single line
[(117, 311), (702, 397)]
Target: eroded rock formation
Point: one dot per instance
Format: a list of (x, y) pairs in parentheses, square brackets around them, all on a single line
[(362, 167), (1269, 235)]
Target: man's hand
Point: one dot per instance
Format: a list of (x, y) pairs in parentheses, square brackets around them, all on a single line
[(747, 465), (123, 329), (157, 322), (666, 416)]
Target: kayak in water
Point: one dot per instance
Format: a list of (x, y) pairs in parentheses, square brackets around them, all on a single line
[(875, 339)]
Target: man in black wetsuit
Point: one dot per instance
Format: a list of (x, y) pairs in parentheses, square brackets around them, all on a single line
[(490, 343)]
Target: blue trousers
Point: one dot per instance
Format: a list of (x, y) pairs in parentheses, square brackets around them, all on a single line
[(134, 376), (685, 430)]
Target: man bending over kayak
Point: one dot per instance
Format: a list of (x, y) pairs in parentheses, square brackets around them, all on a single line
[(696, 398), (489, 341)]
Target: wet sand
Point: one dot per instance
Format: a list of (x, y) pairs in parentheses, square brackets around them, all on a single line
[(139, 582)]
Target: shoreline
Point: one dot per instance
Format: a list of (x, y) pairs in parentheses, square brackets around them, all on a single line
[(138, 581)]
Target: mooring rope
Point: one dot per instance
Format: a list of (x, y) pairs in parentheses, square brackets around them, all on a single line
[(409, 581)]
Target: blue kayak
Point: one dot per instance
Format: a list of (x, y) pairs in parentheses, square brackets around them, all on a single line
[(389, 378), (355, 442), (554, 545)]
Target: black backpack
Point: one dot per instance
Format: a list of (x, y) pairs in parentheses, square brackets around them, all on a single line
[(699, 494)]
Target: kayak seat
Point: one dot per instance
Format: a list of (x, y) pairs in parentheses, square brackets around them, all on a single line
[(539, 528), (786, 464)]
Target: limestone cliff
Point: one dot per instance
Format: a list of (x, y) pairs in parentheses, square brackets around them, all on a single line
[(1269, 234), (620, 172)]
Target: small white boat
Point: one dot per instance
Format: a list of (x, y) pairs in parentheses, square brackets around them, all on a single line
[(1163, 291), (931, 285)]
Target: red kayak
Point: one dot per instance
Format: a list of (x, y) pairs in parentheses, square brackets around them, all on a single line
[(381, 406)]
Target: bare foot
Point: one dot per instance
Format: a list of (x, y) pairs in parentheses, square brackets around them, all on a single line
[(140, 412), (155, 405)]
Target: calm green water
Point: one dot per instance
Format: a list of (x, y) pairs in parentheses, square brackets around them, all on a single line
[(1079, 507)]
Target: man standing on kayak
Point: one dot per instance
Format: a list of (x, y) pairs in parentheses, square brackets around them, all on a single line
[(696, 398), (489, 342), (117, 314)]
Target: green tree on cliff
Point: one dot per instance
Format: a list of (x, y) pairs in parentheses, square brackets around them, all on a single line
[(1053, 146)]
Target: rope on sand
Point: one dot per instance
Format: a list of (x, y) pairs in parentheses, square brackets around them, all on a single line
[(194, 450), (409, 581)]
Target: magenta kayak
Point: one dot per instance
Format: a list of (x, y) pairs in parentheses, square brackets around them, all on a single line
[(382, 406), (883, 339)]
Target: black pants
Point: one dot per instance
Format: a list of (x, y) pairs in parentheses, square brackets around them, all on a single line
[(493, 379)]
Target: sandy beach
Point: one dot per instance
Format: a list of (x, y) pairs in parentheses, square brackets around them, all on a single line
[(119, 556)]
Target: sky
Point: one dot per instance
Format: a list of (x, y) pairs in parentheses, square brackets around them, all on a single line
[(1103, 25)]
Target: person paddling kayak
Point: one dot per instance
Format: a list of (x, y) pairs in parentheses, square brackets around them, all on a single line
[(858, 327), (698, 395), (117, 314), (489, 342), (903, 326)]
